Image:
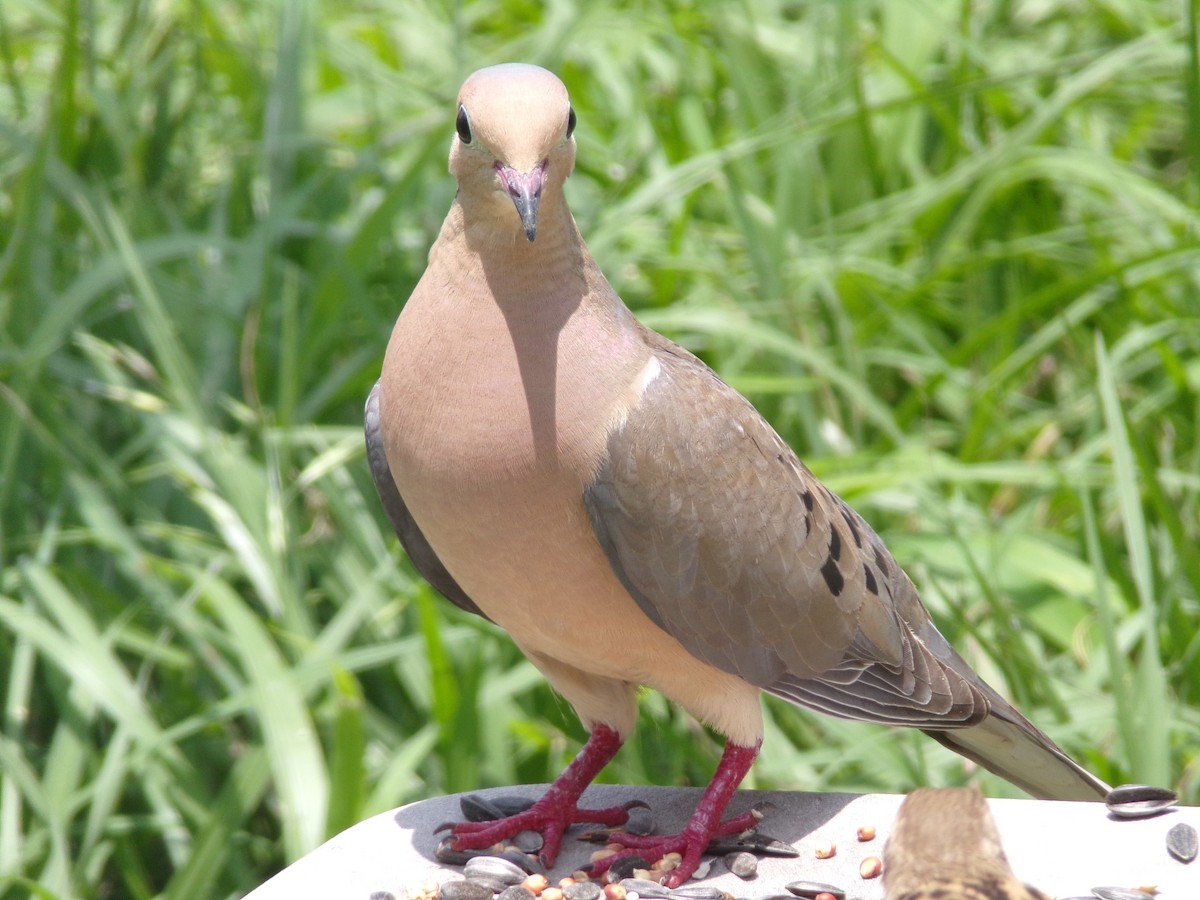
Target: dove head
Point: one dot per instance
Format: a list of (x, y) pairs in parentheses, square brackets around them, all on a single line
[(513, 144)]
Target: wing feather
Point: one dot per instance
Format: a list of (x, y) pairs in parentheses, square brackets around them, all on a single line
[(731, 545), (422, 556)]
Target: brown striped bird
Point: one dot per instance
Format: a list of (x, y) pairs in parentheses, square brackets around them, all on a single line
[(944, 846), (596, 491)]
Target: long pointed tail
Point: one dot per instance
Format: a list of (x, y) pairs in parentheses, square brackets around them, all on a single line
[(1009, 745)]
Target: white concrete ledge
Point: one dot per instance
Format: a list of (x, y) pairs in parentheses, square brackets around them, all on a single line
[(1063, 848)]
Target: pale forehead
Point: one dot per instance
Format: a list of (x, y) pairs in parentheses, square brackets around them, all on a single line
[(514, 96), (514, 83)]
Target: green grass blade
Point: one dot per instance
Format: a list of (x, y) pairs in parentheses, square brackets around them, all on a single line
[(1150, 754)]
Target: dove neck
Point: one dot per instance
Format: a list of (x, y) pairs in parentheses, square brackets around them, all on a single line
[(537, 284)]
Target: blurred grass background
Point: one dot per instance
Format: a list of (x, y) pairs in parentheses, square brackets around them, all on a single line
[(950, 248)]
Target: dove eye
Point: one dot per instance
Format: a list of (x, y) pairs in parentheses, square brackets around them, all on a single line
[(463, 125), (570, 121)]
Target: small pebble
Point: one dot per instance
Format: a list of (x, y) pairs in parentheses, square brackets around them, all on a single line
[(810, 890), (742, 864), (825, 895), (640, 821), (614, 892), (382, 895), (495, 885), (582, 890), (866, 833), (552, 893), (516, 892), (465, 890), (1182, 842), (1138, 801), (870, 867), (528, 841), (825, 849)]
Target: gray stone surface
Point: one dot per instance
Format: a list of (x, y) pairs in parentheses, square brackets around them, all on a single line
[(1063, 848)]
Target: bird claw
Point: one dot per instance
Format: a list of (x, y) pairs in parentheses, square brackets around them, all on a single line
[(549, 820), (597, 835), (656, 847), (690, 844), (602, 835)]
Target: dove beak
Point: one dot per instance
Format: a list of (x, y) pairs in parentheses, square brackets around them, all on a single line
[(525, 189)]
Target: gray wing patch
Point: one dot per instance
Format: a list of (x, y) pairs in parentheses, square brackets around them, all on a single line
[(730, 545), (423, 558)]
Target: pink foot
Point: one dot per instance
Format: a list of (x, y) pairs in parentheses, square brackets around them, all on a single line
[(704, 825), (558, 808)]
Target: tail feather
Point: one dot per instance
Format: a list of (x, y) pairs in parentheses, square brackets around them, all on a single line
[(1009, 745)]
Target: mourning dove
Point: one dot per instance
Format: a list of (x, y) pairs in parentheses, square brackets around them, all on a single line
[(629, 519), (945, 846)]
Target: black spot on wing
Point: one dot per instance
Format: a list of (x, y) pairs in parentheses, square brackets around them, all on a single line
[(881, 559), (833, 576), (854, 532), (872, 585)]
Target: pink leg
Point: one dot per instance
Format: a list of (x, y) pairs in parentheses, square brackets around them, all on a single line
[(704, 825), (558, 809)]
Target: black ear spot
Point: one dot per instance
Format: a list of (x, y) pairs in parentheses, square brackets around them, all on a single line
[(463, 125), (570, 121)]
